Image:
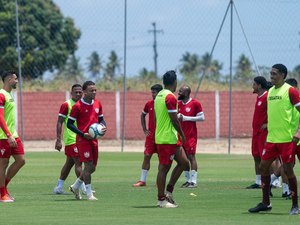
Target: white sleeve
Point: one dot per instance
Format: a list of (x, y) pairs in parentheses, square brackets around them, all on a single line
[(199, 117)]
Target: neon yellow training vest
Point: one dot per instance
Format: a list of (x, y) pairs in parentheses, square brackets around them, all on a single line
[(69, 136), (9, 115), (165, 133), (280, 115)]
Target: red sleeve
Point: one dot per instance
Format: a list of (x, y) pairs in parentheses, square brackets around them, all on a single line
[(171, 102), (146, 108), (2, 101), (198, 107), (100, 109), (294, 96), (64, 108), (74, 111)]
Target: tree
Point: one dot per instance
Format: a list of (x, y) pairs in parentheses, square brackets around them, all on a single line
[(191, 65), (244, 72), (112, 66), (212, 67), (95, 64), (47, 38), (72, 70), (145, 74)]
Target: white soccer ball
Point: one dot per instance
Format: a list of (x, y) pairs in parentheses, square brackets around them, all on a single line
[(96, 130)]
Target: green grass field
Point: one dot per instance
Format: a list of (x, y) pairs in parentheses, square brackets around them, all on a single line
[(221, 197)]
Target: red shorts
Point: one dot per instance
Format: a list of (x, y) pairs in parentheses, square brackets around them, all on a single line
[(285, 150), (6, 151), (298, 151), (258, 143), (87, 150), (190, 146), (71, 151), (166, 153), (150, 146)]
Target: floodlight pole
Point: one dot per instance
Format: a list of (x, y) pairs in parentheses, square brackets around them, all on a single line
[(19, 70)]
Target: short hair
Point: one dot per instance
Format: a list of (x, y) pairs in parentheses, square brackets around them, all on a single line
[(169, 77), (292, 81), (6, 74), (86, 84), (261, 80), (281, 68), (269, 85), (75, 85), (157, 87)]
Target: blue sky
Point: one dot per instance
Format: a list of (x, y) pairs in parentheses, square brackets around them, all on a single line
[(271, 26)]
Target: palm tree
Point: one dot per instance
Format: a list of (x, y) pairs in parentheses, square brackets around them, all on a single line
[(112, 66), (244, 72), (191, 65), (212, 67), (95, 64)]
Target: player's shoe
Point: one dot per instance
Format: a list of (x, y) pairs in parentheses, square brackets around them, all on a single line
[(166, 204), (84, 192), (92, 198), (286, 195), (76, 192), (6, 198), (186, 184), (169, 198), (192, 185), (294, 211), (58, 191), (253, 186), (139, 184), (260, 208)]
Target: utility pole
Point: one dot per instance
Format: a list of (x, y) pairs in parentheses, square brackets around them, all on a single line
[(155, 46)]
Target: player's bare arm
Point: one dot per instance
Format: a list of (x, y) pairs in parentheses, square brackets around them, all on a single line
[(176, 124), (58, 143), (143, 123)]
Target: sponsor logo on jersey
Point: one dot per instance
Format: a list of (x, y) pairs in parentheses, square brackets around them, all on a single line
[(187, 109), (86, 154), (97, 110)]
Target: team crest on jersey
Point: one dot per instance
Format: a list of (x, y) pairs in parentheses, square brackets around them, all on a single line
[(259, 103), (187, 109), (97, 110), (264, 152), (76, 149), (2, 151), (172, 157), (86, 154)]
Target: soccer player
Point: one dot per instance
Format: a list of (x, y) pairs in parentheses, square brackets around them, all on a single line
[(85, 112), (282, 98), (166, 137), (69, 137), (10, 143), (190, 112), (150, 146), (259, 125)]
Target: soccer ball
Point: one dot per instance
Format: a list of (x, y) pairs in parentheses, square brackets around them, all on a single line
[(96, 130)]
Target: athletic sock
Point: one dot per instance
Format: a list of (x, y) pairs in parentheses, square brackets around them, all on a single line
[(7, 182), (60, 183), (273, 178), (88, 189), (2, 191), (194, 176), (265, 184), (285, 188), (258, 179), (187, 176), (144, 174), (77, 183), (294, 191)]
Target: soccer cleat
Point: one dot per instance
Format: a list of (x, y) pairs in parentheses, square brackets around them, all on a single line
[(58, 191), (166, 204), (139, 184), (186, 184), (6, 198), (76, 192), (260, 207), (253, 186), (192, 185), (286, 195), (84, 192), (92, 198), (294, 210), (169, 198)]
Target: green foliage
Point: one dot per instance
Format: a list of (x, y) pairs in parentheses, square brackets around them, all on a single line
[(95, 65), (244, 72), (112, 66), (46, 37)]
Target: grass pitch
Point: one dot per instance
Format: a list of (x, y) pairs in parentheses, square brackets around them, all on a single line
[(221, 197)]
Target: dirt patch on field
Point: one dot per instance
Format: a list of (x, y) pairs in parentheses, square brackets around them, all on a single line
[(237, 146)]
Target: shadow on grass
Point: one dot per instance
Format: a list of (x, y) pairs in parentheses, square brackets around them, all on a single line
[(145, 207)]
